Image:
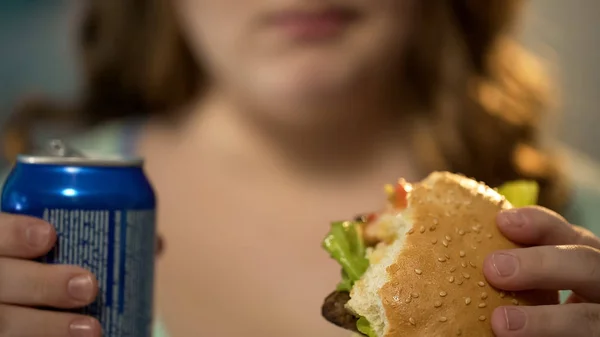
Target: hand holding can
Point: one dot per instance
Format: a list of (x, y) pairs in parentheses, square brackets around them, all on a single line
[(27, 285), (99, 219)]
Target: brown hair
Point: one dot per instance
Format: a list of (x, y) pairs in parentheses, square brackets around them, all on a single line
[(483, 94)]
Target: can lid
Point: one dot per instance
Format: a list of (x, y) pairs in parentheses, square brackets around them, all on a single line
[(57, 152), (81, 161)]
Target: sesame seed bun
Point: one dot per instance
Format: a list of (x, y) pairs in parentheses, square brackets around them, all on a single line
[(429, 280)]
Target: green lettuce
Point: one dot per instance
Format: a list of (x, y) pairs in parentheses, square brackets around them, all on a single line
[(520, 193), (345, 244), (365, 327)]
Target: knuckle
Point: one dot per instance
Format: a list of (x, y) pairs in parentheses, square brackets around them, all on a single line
[(39, 286), (590, 258), (537, 263)]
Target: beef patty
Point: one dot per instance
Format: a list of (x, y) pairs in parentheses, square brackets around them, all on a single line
[(334, 310)]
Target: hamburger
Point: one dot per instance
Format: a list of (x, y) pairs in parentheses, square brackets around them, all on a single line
[(414, 268)]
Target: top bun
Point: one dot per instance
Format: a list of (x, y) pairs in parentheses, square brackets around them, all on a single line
[(428, 280)]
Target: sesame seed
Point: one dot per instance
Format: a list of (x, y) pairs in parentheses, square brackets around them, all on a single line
[(467, 300), (412, 321), (442, 259), (461, 232), (502, 294), (515, 301), (445, 243), (481, 284), (482, 318), (411, 230), (458, 332), (462, 253), (415, 295), (448, 238), (422, 229), (435, 221), (407, 300), (452, 269), (472, 264), (478, 241), (467, 276), (437, 304), (484, 296), (459, 282), (447, 256), (489, 236), (463, 264), (433, 241), (482, 305), (451, 279), (432, 228), (443, 293), (443, 319), (418, 271)]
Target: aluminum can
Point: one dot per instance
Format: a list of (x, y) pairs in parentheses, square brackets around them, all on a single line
[(104, 214)]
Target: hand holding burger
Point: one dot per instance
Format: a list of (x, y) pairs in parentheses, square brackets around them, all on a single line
[(435, 263)]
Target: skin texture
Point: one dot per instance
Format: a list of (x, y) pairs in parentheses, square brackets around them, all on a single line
[(288, 136), (289, 80), (25, 283), (566, 257)]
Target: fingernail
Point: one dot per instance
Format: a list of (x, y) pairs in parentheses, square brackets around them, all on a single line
[(38, 235), (504, 264), (515, 318), (81, 288), (83, 328), (512, 218)]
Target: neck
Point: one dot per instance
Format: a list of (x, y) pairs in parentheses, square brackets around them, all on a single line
[(369, 137)]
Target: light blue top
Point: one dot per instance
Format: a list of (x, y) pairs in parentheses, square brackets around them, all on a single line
[(584, 209)]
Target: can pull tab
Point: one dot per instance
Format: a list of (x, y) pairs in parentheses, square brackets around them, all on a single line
[(59, 148)]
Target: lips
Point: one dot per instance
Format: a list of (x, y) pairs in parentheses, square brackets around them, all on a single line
[(313, 25)]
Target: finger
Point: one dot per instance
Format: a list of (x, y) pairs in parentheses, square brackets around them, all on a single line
[(540, 226), (26, 322), (546, 267), (35, 284), (25, 237), (573, 320)]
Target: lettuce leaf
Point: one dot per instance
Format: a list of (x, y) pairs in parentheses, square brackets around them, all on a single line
[(520, 193), (365, 328), (345, 244)]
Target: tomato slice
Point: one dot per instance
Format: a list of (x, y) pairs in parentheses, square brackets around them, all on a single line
[(400, 197), (371, 217)]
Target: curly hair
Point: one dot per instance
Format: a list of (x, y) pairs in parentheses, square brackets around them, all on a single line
[(478, 97)]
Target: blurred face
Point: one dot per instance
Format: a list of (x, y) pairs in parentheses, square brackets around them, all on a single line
[(297, 60)]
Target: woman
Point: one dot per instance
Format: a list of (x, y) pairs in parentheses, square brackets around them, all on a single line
[(261, 121)]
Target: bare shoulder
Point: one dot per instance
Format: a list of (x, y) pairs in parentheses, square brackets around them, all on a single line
[(584, 173)]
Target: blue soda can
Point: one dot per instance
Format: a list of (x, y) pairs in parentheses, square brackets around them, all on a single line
[(104, 215)]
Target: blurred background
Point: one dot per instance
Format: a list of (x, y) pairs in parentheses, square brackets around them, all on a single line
[(36, 56)]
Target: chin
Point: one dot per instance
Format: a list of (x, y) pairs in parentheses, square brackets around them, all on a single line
[(309, 83)]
